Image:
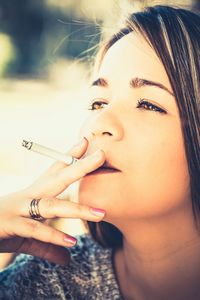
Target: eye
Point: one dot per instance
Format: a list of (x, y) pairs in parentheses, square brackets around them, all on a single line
[(149, 106), (141, 103), (96, 105)]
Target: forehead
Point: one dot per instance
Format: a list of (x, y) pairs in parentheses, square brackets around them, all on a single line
[(132, 56)]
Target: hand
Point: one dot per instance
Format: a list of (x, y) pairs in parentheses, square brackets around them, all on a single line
[(20, 233)]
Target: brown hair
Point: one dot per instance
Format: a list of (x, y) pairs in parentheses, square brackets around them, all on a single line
[(174, 34)]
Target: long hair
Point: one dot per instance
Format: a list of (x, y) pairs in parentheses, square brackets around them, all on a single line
[(174, 34)]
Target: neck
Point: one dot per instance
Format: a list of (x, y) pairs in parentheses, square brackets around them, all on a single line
[(160, 259)]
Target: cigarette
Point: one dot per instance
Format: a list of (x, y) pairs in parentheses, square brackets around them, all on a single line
[(67, 159)]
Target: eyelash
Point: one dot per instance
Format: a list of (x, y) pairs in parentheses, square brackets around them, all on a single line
[(149, 104), (140, 102)]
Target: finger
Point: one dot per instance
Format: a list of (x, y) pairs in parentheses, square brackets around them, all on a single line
[(29, 228), (82, 167), (76, 151), (53, 253), (59, 208), (54, 183), (79, 149)]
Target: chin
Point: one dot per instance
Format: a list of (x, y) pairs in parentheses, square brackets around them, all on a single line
[(95, 195), (89, 194)]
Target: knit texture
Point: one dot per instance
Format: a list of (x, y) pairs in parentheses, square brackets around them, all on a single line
[(89, 275)]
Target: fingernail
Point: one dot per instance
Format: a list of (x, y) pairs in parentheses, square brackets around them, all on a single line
[(70, 240), (81, 142), (97, 212)]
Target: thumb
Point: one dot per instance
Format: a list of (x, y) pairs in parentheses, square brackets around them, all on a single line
[(53, 253)]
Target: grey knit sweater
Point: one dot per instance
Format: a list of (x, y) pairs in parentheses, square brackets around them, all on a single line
[(89, 275)]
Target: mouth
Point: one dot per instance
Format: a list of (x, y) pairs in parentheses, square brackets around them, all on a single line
[(104, 170)]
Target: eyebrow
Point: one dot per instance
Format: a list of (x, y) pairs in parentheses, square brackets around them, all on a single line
[(134, 83)]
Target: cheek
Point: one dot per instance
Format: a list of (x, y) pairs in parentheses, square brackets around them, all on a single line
[(155, 180), (150, 187), (160, 177)]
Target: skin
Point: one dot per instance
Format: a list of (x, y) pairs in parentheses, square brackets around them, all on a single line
[(149, 200), (21, 234)]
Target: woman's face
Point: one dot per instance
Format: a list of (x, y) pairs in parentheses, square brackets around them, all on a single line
[(144, 142)]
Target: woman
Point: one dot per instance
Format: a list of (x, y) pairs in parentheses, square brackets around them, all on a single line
[(145, 242)]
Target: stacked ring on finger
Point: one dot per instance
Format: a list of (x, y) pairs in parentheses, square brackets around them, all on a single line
[(34, 205), (34, 210), (74, 160)]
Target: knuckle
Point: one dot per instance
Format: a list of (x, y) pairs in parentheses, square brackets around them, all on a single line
[(89, 165), (82, 169), (81, 209), (83, 162), (53, 235), (34, 226), (49, 203)]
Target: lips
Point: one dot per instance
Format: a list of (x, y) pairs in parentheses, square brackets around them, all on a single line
[(108, 165), (106, 168), (103, 171)]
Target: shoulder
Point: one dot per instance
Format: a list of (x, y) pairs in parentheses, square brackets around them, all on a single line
[(90, 267)]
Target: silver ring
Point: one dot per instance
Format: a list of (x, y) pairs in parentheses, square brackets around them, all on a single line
[(74, 160), (34, 210)]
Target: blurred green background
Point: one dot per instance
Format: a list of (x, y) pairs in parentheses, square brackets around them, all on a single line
[(46, 50)]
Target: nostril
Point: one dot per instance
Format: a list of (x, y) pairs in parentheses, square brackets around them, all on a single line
[(107, 133)]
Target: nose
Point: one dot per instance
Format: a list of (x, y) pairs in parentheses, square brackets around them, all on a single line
[(105, 124)]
